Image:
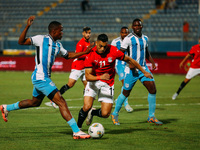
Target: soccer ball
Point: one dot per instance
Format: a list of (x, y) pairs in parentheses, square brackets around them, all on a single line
[(96, 130)]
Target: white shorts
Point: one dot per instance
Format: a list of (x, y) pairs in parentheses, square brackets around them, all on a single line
[(103, 90), (76, 74), (192, 72)]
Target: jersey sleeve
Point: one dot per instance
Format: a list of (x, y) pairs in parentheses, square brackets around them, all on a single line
[(118, 54), (113, 43), (63, 51), (88, 60), (36, 40), (125, 43)]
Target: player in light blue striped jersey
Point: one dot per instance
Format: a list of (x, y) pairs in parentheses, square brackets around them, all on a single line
[(136, 44), (120, 65), (47, 48)]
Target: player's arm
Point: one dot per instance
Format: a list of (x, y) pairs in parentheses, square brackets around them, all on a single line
[(122, 49), (90, 77), (150, 59), (80, 48), (134, 63), (75, 55), (22, 39), (184, 60)]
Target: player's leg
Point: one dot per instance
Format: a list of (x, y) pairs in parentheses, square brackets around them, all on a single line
[(120, 69), (34, 102), (120, 100), (129, 82), (66, 114), (183, 84), (190, 74), (126, 104), (70, 84), (73, 77), (83, 113), (104, 111), (84, 81), (150, 85)]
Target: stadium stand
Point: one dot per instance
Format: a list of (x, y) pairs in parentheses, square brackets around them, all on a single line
[(104, 17)]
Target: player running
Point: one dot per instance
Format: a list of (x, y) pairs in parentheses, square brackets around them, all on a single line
[(77, 68), (194, 69), (47, 47), (100, 73), (120, 65), (136, 44)]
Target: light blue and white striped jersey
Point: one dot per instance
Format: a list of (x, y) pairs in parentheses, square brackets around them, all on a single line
[(117, 42), (46, 51), (137, 47)]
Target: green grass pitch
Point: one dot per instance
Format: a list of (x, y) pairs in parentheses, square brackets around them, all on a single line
[(43, 127)]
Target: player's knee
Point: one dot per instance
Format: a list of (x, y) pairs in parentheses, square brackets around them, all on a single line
[(105, 114), (87, 107), (152, 91)]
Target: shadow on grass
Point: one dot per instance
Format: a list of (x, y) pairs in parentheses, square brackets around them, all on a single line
[(145, 109), (165, 121)]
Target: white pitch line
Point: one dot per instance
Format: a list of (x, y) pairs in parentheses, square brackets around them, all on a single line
[(140, 105)]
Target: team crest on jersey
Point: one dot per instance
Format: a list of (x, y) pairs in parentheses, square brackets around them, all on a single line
[(126, 85), (109, 59), (52, 84)]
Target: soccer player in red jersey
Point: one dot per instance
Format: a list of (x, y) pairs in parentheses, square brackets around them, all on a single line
[(77, 68), (194, 69), (100, 74)]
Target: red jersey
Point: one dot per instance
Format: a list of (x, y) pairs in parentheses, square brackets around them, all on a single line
[(195, 53), (104, 63), (81, 46)]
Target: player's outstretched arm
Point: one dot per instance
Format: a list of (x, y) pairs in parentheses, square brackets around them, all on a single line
[(22, 39), (75, 55), (90, 77), (184, 60), (134, 63)]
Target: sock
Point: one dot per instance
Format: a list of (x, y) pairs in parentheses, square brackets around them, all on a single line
[(96, 112), (64, 88), (73, 125), (126, 100), (14, 106), (152, 104), (81, 117), (121, 98), (181, 87)]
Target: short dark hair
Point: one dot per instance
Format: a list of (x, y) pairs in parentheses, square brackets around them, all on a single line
[(102, 37), (124, 27), (86, 29), (53, 25), (137, 19)]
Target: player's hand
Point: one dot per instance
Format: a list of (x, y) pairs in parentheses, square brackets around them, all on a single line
[(148, 75), (89, 48), (30, 20), (181, 65), (153, 66), (105, 76)]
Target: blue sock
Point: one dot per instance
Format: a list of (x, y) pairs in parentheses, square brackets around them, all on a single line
[(72, 123), (152, 104), (121, 98), (126, 100), (14, 106)]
